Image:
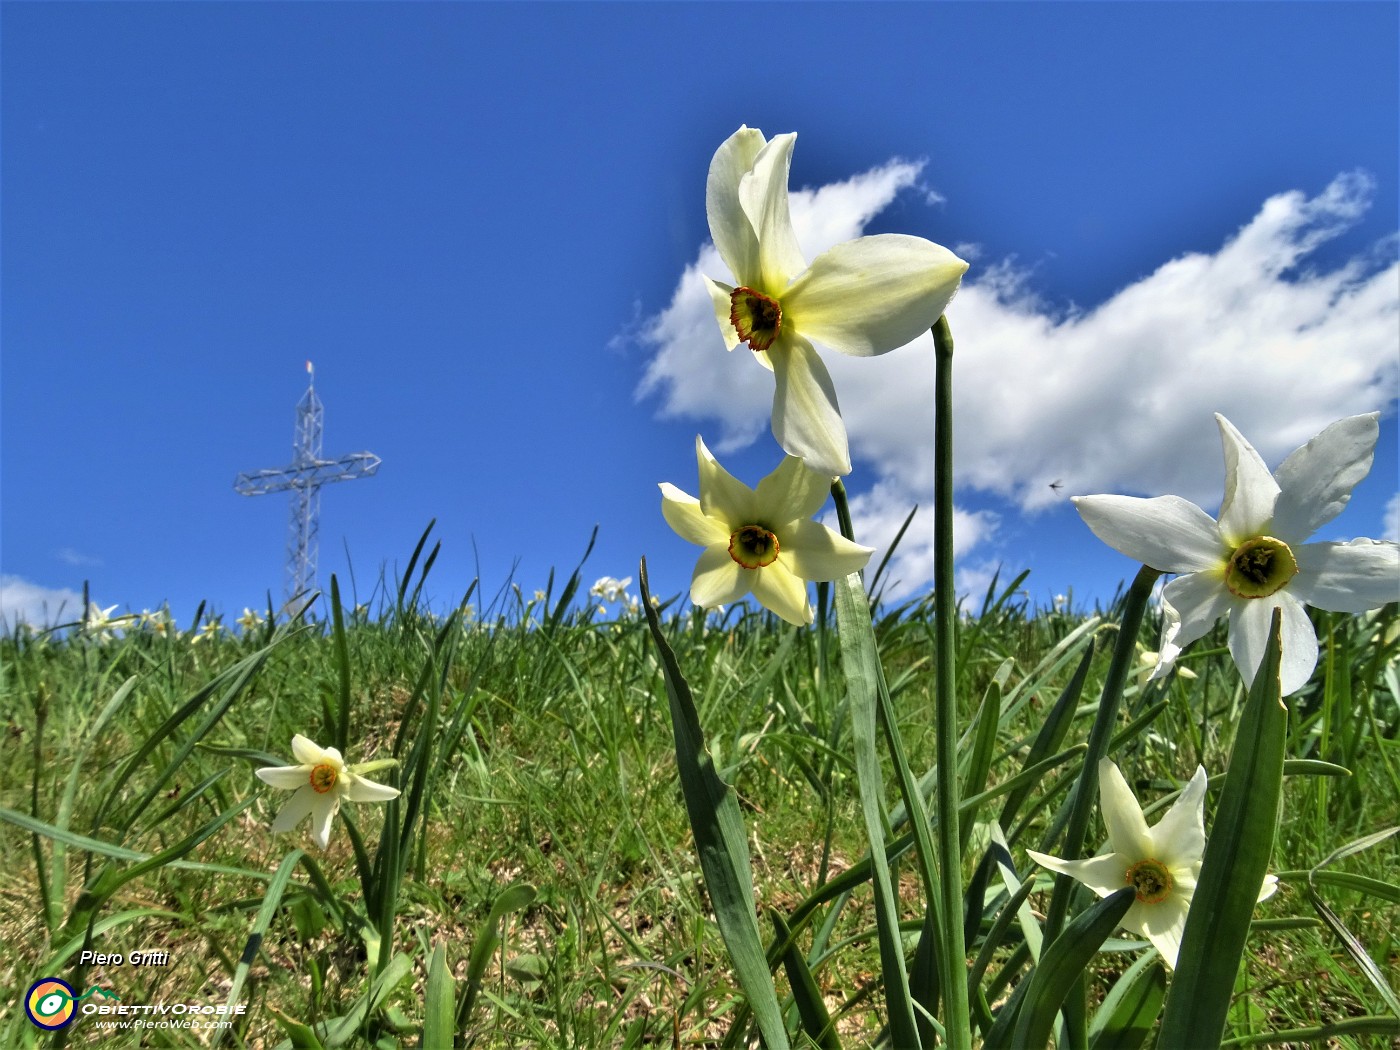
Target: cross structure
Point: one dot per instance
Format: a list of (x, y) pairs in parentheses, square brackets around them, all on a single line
[(304, 476)]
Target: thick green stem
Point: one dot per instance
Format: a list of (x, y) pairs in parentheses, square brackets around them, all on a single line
[(953, 971)]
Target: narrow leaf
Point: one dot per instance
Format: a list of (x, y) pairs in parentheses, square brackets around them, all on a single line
[(1232, 871), (1063, 964), (439, 1006), (720, 840), (811, 1007)]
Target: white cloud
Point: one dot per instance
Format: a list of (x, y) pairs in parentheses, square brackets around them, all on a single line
[(36, 605), (1392, 518), (877, 516), (1117, 398), (76, 558)]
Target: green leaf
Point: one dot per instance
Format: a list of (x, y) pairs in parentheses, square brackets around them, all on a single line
[(439, 1005), (272, 900), (811, 1007), (1062, 964), (1125, 1019), (860, 664), (720, 841), (980, 761), (513, 898), (1232, 871)]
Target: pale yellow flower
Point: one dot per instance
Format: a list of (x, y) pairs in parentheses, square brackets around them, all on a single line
[(761, 541), (863, 297)]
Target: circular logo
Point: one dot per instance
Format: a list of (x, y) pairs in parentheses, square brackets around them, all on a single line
[(49, 1003)]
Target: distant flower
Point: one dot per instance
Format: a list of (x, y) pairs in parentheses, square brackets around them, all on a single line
[(540, 596), (610, 589), (322, 781), (157, 622), (249, 620), (863, 297), (98, 622), (762, 541), (208, 632), (1253, 560), (1162, 862)]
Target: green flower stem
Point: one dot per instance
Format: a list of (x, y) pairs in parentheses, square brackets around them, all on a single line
[(1087, 789), (909, 787), (953, 969)]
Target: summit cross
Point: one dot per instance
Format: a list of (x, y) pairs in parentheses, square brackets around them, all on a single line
[(304, 477)]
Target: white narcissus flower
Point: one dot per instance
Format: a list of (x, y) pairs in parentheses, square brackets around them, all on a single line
[(249, 620), (97, 623), (208, 632), (1162, 862), (863, 297), (322, 781), (760, 540), (1254, 558)]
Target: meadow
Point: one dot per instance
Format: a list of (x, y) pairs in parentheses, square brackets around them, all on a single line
[(537, 881)]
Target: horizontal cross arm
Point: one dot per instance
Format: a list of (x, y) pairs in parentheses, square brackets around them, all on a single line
[(307, 475)]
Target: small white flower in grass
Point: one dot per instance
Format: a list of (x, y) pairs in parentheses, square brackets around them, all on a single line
[(322, 781), (610, 589), (98, 622), (761, 541), (1162, 862), (208, 632), (863, 297), (249, 620), (1254, 558)]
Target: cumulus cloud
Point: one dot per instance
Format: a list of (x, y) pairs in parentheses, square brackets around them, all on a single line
[(1392, 518), (1116, 398), (36, 605), (878, 516)]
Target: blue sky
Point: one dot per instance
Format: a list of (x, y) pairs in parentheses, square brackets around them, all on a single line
[(484, 223)]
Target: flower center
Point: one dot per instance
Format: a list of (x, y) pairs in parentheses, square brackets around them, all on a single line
[(1151, 879), (757, 318), (1259, 568), (323, 778), (753, 546)]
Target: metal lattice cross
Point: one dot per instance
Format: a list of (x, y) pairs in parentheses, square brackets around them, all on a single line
[(304, 476)]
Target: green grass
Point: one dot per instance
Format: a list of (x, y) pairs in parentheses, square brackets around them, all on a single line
[(564, 778)]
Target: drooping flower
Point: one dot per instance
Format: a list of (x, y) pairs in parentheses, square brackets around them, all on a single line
[(761, 541), (1162, 862), (863, 297), (1254, 558), (322, 781)]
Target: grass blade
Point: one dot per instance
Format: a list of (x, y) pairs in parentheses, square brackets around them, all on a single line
[(811, 1007), (1233, 869), (859, 662), (720, 841), (1062, 965), (439, 1005)]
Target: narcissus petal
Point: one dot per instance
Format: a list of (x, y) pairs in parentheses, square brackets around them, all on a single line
[(873, 294)]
